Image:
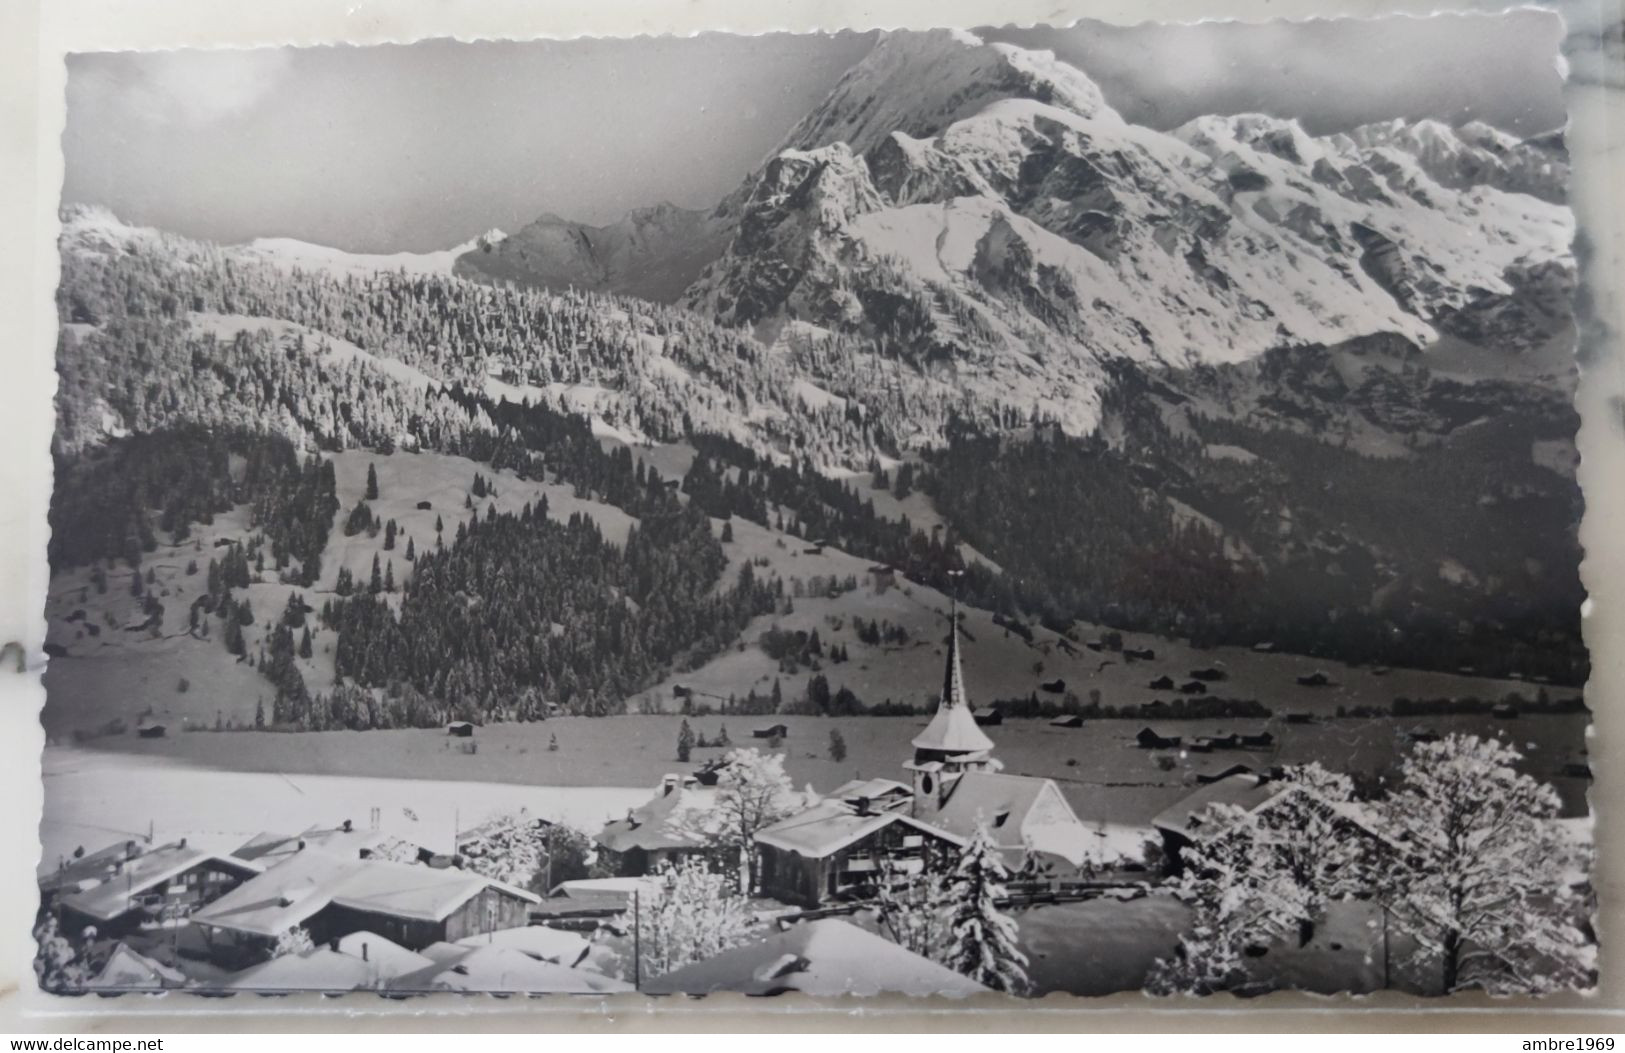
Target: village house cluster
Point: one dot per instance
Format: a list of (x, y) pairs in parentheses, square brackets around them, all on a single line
[(837, 847), (350, 908)]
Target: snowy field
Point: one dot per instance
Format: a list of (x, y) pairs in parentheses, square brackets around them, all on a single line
[(94, 799)]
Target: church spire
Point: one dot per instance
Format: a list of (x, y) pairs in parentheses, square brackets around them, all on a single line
[(953, 677), (952, 731)]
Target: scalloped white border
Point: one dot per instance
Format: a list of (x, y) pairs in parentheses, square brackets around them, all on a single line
[(33, 41)]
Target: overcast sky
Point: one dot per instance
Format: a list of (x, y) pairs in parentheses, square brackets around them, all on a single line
[(422, 146)]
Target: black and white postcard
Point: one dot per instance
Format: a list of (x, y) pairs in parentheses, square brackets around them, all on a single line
[(943, 512)]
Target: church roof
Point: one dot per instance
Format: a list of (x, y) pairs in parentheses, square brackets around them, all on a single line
[(953, 729)]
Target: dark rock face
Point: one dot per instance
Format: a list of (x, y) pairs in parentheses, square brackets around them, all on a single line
[(652, 253)]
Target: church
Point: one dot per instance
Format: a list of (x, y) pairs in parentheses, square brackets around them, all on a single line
[(841, 846), (958, 783)]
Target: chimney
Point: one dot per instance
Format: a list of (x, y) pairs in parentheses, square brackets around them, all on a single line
[(348, 826), (333, 945), (183, 842), (301, 845), (363, 952)]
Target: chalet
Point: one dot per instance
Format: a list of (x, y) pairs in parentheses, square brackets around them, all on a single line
[(1208, 743), (1054, 687), (1209, 674), (1505, 711), (1162, 683), (845, 849), (424, 506), (772, 731), (1300, 718), (1142, 654), (669, 828), (1315, 679), (1419, 735), (332, 896), (461, 729), (167, 882), (829, 957), (151, 729), (1148, 739), (1193, 687), (1067, 720), (1263, 740), (1193, 820), (987, 716), (1185, 822)]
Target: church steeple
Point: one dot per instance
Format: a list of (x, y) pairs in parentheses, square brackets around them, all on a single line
[(952, 736), (953, 678)]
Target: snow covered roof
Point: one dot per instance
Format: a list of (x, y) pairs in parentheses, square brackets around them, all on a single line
[(874, 789), (71, 873), (322, 969), (827, 957), (269, 847), (615, 886), (1004, 803), (505, 969), (279, 899), (671, 819), (127, 970), (113, 893), (389, 957), (292, 891), (1247, 792), (832, 825), (538, 941), (953, 729)]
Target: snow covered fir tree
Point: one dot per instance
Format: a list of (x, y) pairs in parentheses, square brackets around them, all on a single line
[(1006, 542)]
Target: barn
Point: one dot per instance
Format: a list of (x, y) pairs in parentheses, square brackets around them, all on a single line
[(772, 731), (331, 896), (1148, 739), (1067, 720), (461, 729)]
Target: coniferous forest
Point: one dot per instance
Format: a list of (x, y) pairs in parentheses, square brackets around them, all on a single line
[(195, 382)]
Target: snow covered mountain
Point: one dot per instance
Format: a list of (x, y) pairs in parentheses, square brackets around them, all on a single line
[(980, 213), (651, 253), (290, 252)]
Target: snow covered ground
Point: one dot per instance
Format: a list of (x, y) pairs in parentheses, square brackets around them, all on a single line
[(94, 799)]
